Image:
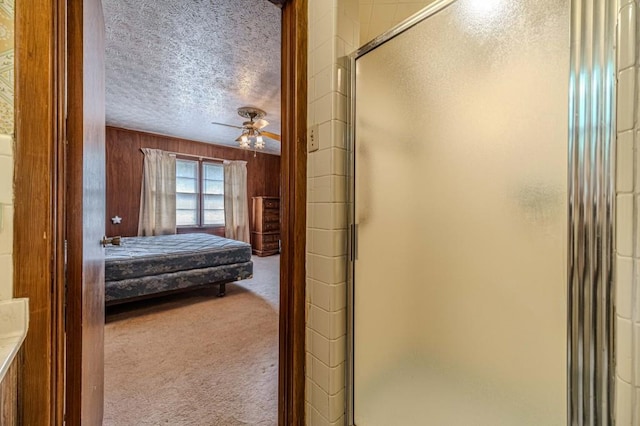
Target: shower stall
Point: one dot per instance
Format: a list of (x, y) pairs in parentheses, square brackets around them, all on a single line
[(481, 217)]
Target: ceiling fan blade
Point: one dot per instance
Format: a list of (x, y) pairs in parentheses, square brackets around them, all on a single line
[(270, 135), (259, 124), (228, 125), (239, 138)]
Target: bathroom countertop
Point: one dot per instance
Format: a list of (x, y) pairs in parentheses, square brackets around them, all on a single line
[(14, 323)]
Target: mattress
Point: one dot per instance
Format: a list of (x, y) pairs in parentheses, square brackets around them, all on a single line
[(139, 257), (155, 284)]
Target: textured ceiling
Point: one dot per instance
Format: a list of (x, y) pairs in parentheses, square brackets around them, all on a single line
[(378, 16), (173, 67)]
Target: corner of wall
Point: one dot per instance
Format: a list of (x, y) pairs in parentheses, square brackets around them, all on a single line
[(627, 226), (333, 33)]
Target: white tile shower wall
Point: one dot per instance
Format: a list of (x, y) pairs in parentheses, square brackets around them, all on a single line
[(333, 32), (628, 224), (6, 217)]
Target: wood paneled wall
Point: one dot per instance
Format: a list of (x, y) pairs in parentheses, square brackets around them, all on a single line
[(9, 415), (124, 172)]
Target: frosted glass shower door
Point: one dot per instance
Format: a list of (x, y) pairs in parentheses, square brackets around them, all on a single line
[(460, 293)]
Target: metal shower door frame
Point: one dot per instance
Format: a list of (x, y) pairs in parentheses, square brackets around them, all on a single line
[(591, 145)]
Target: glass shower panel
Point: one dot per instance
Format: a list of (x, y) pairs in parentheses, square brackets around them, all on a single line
[(460, 199)]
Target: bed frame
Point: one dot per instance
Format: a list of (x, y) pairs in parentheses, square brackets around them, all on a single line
[(147, 267)]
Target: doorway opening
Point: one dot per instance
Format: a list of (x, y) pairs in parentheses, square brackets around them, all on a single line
[(192, 96), (43, 174)]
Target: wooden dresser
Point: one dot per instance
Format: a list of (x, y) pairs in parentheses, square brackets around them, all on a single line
[(265, 229)]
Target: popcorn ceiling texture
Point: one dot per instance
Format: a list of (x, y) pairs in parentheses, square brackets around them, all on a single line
[(173, 67)]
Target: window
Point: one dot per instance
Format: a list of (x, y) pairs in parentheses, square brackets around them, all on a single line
[(199, 193)]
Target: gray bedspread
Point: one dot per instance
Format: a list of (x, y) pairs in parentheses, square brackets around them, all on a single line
[(144, 256), (142, 266)]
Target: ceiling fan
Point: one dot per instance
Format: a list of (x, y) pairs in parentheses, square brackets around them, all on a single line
[(252, 129)]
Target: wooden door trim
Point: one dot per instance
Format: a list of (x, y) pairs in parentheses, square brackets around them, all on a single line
[(60, 218), (293, 169), (39, 206), (85, 204), (38, 247)]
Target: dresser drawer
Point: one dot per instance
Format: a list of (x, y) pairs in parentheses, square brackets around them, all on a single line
[(270, 246), (270, 238), (271, 203), (265, 242), (267, 226), (271, 215)]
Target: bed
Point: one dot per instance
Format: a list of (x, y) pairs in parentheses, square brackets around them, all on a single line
[(142, 267)]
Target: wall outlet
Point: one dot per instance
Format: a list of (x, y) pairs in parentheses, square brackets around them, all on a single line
[(312, 138)]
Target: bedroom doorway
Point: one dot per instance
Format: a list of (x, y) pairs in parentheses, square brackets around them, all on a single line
[(196, 279), (42, 73)]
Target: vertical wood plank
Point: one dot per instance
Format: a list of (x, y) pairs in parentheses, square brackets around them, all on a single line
[(36, 245), (9, 395), (293, 213), (59, 219), (85, 213)]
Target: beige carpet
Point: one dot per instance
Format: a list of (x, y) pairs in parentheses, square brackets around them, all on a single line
[(194, 358)]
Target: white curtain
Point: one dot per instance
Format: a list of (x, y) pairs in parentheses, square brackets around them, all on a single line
[(158, 195), (236, 206)]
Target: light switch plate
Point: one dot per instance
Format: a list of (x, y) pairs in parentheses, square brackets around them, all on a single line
[(312, 138)]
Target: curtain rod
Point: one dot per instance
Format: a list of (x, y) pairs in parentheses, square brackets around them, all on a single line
[(201, 157)]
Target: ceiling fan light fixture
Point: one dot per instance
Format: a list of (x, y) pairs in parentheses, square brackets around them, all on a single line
[(244, 142), (252, 133)]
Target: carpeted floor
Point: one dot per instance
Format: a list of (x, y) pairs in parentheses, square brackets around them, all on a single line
[(194, 358)]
